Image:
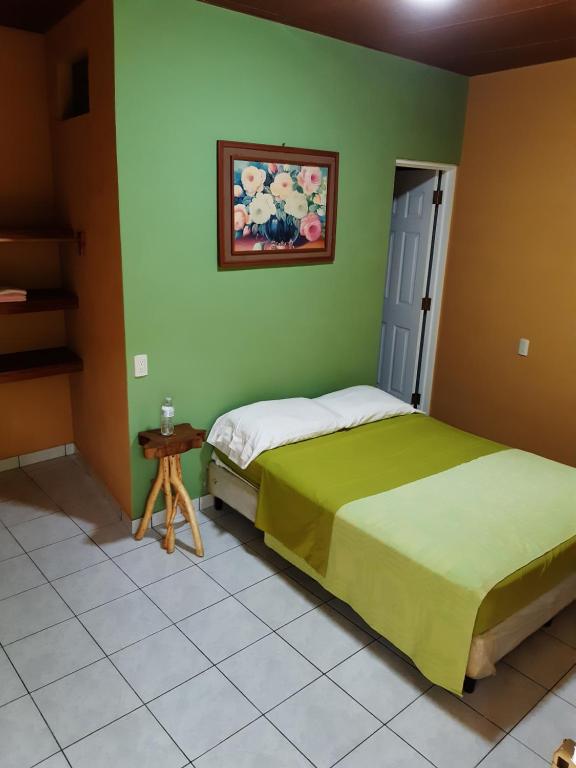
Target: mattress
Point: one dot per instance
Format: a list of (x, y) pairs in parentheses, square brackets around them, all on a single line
[(511, 594)]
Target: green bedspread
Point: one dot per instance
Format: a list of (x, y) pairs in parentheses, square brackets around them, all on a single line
[(303, 485), (414, 522)]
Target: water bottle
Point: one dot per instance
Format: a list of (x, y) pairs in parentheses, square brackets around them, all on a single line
[(167, 417)]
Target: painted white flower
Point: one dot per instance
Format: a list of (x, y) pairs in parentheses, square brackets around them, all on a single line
[(258, 247), (321, 212), (238, 191), (253, 180), (282, 185), (296, 205), (261, 208)]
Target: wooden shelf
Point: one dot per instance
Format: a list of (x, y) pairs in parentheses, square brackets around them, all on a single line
[(41, 300), (37, 363), (38, 235)]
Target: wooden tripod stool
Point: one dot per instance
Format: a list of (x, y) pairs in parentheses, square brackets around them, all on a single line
[(169, 477)]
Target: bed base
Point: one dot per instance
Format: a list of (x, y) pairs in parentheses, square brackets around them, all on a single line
[(486, 649)]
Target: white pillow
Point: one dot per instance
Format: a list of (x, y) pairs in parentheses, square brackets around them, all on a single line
[(243, 434), (363, 404)]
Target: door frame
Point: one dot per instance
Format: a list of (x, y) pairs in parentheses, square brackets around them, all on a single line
[(437, 274)]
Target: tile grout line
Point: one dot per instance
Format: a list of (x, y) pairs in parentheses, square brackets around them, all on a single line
[(59, 541), (517, 740), (272, 631), (333, 765), (552, 690), (172, 623), (60, 752), (549, 691), (72, 573), (36, 632), (412, 746), (28, 589), (112, 559), (37, 708), (119, 597), (509, 733), (527, 677), (76, 536), (305, 756), (259, 581), (500, 727), (554, 637), (30, 476), (322, 673), (215, 665), (106, 656), (335, 607), (269, 711), (428, 760), (51, 583), (226, 739)]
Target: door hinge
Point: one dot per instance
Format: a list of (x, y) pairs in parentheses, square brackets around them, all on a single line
[(426, 303), (437, 197), (415, 399)]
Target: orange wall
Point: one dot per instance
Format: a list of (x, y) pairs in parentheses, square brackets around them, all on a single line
[(87, 197), (27, 198), (511, 269)]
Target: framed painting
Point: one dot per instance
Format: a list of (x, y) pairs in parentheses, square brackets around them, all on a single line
[(276, 205)]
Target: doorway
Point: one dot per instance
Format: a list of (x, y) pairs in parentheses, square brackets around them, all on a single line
[(419, 227)]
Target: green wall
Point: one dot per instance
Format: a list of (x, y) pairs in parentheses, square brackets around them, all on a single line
[(188, 74)]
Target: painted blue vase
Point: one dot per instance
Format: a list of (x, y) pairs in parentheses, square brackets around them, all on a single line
[(281, 232)]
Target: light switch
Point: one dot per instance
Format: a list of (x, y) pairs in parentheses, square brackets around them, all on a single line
[(523, 346), (140, 365)]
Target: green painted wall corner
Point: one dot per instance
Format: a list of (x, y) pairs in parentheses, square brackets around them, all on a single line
[(188, 74)]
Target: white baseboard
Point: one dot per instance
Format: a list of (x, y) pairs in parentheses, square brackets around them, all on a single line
[(69, 449), (158, 518), (10, 463), (26, 459)]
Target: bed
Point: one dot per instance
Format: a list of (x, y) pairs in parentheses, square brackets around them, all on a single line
[(366, 512)]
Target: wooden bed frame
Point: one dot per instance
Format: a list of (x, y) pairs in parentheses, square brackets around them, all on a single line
[(486, 649)]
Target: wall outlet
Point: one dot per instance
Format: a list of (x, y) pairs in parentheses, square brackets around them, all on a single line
[(140, 365), (523, 347)]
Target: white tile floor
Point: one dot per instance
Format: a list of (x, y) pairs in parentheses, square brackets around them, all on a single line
[(116, 654)]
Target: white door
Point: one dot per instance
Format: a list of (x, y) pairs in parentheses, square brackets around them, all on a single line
[(408, 259)]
